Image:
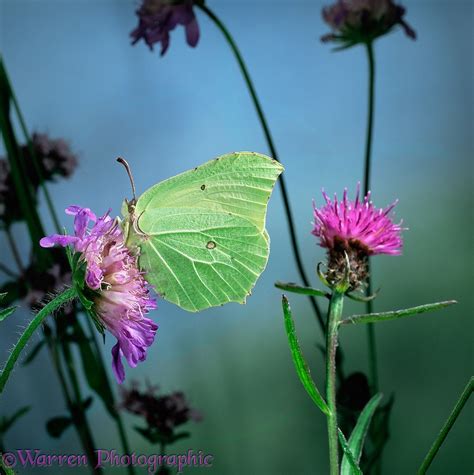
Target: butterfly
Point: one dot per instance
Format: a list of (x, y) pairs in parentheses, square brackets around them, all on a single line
[(201, 234)]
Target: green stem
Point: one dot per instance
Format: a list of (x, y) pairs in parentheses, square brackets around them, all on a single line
[(334, 317), (117, 416), (373, 371), (447, 427), (78, 412), (48, 309), (271, 146), (49, 201), (14, 249)]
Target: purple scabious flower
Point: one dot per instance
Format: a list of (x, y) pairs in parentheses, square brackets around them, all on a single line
[(162, 413), (356, 229), (362, 21), (120, 293), (156, 18)]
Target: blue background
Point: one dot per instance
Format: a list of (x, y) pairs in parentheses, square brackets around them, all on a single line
[(77, 77)]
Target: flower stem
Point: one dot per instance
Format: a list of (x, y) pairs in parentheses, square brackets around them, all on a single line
[(373, 371), (447, 427), (49, 201), (78, 412), (49, 308), (334, 316), (14, 249), (271, 146)]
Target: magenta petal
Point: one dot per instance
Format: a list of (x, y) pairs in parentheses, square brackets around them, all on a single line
[(192, 32), (57, 240), (117, 366)]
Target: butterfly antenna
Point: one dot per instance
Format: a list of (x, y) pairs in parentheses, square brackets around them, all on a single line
[(129, 173)]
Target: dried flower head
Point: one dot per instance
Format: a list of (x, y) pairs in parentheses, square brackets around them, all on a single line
[(162, 413), (118, 288), (54, 158), (362, 21), (156, 18), (356, 229)]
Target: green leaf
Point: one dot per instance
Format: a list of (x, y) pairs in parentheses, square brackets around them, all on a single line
[(7, 422), (297, 289), (300, 364), (33, 353), (202, 233), (395, 314), (57, 425), (349, 455), (6, 312), (357, 438)]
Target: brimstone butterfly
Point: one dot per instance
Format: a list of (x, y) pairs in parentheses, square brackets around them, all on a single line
[(201, 234)]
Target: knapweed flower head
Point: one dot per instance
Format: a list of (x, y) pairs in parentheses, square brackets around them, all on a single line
[(362, 21), (156, 18), (117, 288), (355, 229), (162, 413)]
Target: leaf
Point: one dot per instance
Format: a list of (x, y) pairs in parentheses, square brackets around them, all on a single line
[(33, 353), (347, 453), (179, 436), (57, 425), (357, 438), (300, 364), (7, 422), (202, 233), (6, 312), (297, 289), (395, 314)]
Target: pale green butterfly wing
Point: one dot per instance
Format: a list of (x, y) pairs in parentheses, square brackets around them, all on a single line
[(206, 246), (239, 183)]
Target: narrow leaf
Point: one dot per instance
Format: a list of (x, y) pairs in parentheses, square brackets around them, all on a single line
[(57, 425), (356, 440), (32, 355), (347, 453), (6, 312), (300, 364), (395, 314), (297, 289)]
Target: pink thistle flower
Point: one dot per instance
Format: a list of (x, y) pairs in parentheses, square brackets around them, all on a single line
[(358, 229), (156, 18), (120, 293)]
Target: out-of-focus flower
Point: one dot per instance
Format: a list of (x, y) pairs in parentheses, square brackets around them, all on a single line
[(162, 413), (361, 21), (156, 18), (54, 159), (356, 229), (119, 290)]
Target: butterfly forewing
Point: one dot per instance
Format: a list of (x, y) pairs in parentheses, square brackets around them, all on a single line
[(238, 183)]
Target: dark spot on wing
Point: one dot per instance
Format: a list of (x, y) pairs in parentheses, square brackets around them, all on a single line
[(211, 245), (203, 187)]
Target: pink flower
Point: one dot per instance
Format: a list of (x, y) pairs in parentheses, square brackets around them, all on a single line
[(156, 18), (361, 21), (120, 294), (357, 229)]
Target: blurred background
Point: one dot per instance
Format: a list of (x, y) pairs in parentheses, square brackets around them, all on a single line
[(77, 77)]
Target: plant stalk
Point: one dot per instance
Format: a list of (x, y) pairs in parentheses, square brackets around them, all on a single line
[(373, 371), (458, 407), (271, 146), (48, 309), (334, 317)]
